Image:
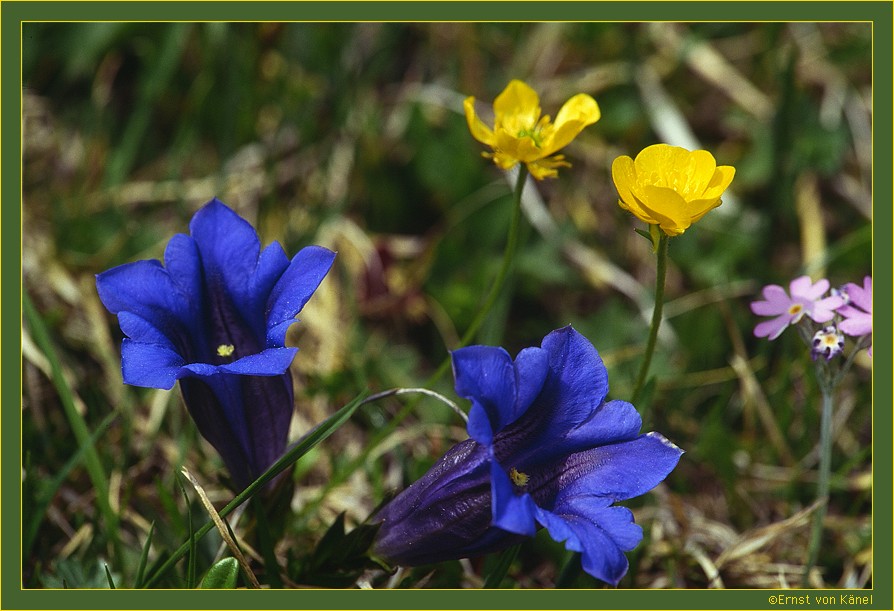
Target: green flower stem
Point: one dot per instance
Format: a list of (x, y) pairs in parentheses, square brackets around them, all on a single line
[(822, 491), (508, 257), (490, 300), (660, 274)]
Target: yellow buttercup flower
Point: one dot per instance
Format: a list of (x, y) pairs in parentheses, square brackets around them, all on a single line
[(670, 186), (521, 135)]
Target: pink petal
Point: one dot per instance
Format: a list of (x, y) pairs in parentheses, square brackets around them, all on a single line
[(770, 308), (771, 329)]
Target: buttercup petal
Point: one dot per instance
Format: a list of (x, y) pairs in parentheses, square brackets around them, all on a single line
[(481, 132), (700, 207), (667, 207), (547, 168), (577, 113), (517, 102), (723, 176), (519, 149)]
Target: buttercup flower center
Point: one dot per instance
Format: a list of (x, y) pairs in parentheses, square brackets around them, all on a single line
[(538, 133), (518, 478)]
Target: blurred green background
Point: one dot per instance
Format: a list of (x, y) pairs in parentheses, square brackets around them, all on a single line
[(352, 136)]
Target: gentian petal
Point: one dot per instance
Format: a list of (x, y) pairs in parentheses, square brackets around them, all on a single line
[(511, 512), (269, 362), (531, 369), (268, 402), (601, 536), (229, 247), (145, 289), (575, 386), (614, 421), (141, 330), (486, 376), (294, 288), (618, 471), (149, 365), (215, 404), (184, 265), (444, 515)]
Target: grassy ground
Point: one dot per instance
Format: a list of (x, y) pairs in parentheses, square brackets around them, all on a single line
[(351, 136)]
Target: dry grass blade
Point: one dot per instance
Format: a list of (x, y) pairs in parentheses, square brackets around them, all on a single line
[(222, 529), (755, 539), (752, 394), (708, 63)]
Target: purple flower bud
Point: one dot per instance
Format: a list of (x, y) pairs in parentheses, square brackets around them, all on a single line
[(827, 342)]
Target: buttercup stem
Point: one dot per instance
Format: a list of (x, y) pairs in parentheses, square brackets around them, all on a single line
[(660, 274), (822, 489), (496, 287), (508, 257)]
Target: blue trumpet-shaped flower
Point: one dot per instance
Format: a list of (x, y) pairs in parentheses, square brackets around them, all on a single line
[(214, 317), (545, 450)]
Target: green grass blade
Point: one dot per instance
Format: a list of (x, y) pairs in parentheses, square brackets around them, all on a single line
[(78, 425), (504, 561), (144, 557), (307, 443), (109, 577), (46, 493), (191, 541)]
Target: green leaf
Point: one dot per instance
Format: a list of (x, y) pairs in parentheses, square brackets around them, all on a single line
[(191, 543), (222, 575), (144, 556), (305, 445), (109, 577), (504, 561), (79, 428)]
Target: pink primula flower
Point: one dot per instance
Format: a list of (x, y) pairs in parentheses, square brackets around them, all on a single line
[(857, 312), (806, 298)]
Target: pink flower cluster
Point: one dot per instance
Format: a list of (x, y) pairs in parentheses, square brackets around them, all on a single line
[(852, 305)]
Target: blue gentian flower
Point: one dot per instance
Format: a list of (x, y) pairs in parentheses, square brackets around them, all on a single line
[(545, 450), (214, 317)]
